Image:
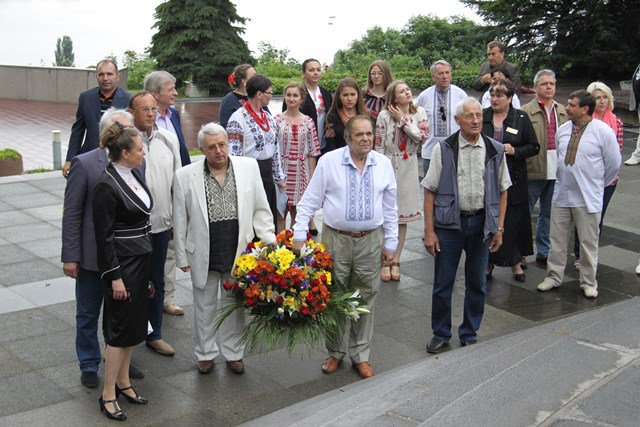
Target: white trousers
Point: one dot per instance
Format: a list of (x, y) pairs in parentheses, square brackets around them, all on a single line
[(562, 222), (226, 341), (170, 275), (636, 153)]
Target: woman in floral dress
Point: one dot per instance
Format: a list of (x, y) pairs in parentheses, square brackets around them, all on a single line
[(299, 147), (401, 129), (252, 133)]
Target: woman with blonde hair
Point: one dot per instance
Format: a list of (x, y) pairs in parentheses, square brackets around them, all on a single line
[(347, 102), (299, 147), (122, 205), (378, 79), (401, 129), (604, 112)]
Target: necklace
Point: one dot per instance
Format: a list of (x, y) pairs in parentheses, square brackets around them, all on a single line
[(344, 116), (261, 120)]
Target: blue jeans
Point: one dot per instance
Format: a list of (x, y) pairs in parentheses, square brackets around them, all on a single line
[(606, 198), (425, 165), (89, 294), (542, 189), (452, 242), (160, 243)]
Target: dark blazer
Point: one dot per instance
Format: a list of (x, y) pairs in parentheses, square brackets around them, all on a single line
[(84, 132), (308, 108), (525, 144), (118, 211), (486, 68), (78, 238), (184, 151)]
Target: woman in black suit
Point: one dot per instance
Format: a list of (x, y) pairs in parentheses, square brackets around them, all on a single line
[(347, 102), (514, 130), (121, 207)]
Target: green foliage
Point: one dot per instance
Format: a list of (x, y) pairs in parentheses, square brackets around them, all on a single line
[(138, 66), (9, 154), (422, 41), (64, 52), (199, 40), (39, 170), (580, 38)]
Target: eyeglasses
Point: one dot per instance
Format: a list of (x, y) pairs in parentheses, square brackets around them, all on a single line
[(268, 93), (147, 110), (443, 116)]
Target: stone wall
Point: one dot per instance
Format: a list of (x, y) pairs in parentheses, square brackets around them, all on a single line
[(51, 84)]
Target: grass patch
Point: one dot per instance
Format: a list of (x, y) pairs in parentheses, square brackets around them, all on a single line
[(39, 170)]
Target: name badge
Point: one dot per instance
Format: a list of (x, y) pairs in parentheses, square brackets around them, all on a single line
[(511, 130)]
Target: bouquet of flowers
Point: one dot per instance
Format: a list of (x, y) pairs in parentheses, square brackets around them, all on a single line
[(290, 296)]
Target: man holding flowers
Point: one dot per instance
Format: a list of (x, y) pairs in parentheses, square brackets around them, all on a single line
[(356, 188), (219, 207)]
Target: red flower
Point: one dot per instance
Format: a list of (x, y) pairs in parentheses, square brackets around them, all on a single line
[(542, 104), (310, 298), (227, 285), (250, 302), (403, 146), (231, 79), (323, 277), (304, 310), (315, 282), (406, 156), (276, 279), (279, 300), (251, 245), (309, 236)]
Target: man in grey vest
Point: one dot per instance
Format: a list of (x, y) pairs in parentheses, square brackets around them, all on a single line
[(465, 200)]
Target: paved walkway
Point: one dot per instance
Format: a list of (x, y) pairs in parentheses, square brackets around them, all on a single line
[(39, 377)]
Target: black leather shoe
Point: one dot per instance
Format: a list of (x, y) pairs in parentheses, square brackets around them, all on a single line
[(520, 277), (541, 260), (117, 414), (135, 373), (136, 400), (89, 379), (470, 341), (436, 346)]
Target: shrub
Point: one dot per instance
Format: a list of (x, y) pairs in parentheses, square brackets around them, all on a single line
[(9, 154)]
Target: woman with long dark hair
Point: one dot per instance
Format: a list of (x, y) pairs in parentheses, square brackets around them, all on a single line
[(347, 102), (234, 100)]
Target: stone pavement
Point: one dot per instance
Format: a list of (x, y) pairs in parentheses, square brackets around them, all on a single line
[(39, 377)]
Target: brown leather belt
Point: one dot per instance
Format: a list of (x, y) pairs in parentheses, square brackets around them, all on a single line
[(355, 235)]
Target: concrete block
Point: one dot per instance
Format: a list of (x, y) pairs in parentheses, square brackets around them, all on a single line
[(42, 84)]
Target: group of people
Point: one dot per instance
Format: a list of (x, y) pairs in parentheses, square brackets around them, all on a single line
[(136, 208)]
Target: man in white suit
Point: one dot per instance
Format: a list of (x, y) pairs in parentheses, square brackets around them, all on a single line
[(218, 203)]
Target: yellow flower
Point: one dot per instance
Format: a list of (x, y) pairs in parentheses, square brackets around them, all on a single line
[(246, 263), (283, 258)]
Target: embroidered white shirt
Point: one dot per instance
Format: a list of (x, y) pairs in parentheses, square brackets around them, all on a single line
[(351, 201)]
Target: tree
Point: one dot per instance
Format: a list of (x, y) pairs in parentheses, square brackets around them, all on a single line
[(423, 40), (64, 52), (138, 66), (198, 40), (580, 38)]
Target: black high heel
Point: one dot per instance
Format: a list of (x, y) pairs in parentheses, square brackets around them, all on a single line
[(520, 277), (117, 415), (136, 400), (489, 272)]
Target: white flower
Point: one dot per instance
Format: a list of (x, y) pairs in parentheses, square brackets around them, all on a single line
[(280, 310), (255, 252), (306, 250), (363, 310)]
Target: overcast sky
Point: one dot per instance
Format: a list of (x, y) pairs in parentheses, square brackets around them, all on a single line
[(29, 28)]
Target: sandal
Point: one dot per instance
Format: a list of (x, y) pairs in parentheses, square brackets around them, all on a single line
[(395, 271), (385, 273), (117, 413)]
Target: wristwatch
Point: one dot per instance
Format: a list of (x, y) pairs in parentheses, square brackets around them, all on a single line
[(501, 229)]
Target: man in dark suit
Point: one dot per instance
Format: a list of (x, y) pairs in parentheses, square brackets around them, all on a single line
[(92, 104), (495, 60), (162, 85), (79, 253)]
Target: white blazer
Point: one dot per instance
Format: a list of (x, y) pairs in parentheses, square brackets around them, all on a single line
[(191, 218)]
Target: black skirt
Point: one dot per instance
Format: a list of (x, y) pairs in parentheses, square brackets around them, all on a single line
[(517, 238), (125, 321), (266, 174)]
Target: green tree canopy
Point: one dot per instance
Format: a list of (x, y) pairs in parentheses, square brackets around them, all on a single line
[(580, 38), (199, 40), (423, 40), (138, 66), (64, 52)]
